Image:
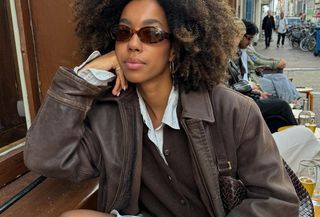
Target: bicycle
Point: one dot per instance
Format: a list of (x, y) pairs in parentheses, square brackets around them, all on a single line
[(309, 42)]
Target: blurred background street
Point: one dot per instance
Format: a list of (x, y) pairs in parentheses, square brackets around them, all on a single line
[(302, 67)]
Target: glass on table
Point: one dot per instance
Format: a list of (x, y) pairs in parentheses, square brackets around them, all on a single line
[(307, 173), (311, 126), (316, 192)]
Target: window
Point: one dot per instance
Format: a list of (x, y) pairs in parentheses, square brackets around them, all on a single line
[(35, 63), (249, 10), (12, 116)]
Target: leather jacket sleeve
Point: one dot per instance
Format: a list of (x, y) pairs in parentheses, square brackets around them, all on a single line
[(234, 72), (59, 136), (259, 166)]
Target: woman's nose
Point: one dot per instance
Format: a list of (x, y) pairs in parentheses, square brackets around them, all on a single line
[(135, 44)]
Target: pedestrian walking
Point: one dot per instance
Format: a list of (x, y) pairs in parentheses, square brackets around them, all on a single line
[(282, 26), (267, 25)]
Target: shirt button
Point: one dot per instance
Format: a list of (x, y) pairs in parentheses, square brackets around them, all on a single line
[(182, 202), (166, 152)]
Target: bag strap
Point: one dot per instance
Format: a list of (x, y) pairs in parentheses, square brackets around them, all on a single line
[(224, 165)]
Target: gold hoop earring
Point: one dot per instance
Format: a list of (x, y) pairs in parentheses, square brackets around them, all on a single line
[(171, 66)]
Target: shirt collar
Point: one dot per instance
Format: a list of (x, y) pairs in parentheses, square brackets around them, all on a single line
[(169, 118)]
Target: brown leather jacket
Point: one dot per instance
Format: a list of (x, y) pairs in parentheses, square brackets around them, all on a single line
[(82, 131)]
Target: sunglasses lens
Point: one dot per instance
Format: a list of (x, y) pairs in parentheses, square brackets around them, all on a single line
[(147, 34), (150, 35), (123, 33)]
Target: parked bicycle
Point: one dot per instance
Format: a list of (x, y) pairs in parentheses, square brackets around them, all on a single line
[(309, 42), (297, 36)]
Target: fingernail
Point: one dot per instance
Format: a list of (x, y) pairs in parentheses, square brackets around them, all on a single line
[(118, 94), (124, 88)]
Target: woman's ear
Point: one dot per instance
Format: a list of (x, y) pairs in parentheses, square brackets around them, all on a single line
[(172, 54)]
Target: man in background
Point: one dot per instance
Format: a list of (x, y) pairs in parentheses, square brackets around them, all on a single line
[(268, 74), (276, 112), (268, 25)]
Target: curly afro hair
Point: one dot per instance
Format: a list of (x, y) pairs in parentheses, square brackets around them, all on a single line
[(203, 35)]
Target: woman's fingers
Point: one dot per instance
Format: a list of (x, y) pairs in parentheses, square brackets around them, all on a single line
[(117, 87), (109, 62), (121, 82)]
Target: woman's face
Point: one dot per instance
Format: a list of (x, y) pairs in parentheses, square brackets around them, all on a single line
[(140, 61)]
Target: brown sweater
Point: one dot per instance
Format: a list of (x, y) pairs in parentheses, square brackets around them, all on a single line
[(169, 190)]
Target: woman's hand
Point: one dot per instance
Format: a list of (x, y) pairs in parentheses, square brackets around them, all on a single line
[(109, 62)]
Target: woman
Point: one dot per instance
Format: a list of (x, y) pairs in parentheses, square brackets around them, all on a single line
[(282, 29), (151, 142)]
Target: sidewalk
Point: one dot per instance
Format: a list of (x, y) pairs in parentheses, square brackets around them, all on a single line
[(294, 56), (302, 67)]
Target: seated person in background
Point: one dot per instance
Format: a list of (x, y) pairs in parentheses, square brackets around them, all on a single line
[(276, 112), (268, 74)]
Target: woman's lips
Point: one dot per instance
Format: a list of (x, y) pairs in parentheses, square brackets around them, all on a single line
[(134, 64), (131, 65)]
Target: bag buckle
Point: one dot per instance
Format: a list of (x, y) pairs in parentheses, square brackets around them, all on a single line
[(225, 166)]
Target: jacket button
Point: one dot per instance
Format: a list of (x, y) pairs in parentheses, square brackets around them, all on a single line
[(166, 152), (170, 179), (183, 202)]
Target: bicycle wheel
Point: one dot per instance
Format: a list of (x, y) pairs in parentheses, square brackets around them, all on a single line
[(304, 44), (312, 44), (295, 44)]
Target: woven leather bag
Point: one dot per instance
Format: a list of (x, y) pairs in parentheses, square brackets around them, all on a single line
[(233, 191)]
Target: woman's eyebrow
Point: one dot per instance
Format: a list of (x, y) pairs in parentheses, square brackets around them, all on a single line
[(145, 22), (125, 21), (151, 21)]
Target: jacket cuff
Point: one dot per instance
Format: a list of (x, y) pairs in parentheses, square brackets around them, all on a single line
[(72, 90)]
